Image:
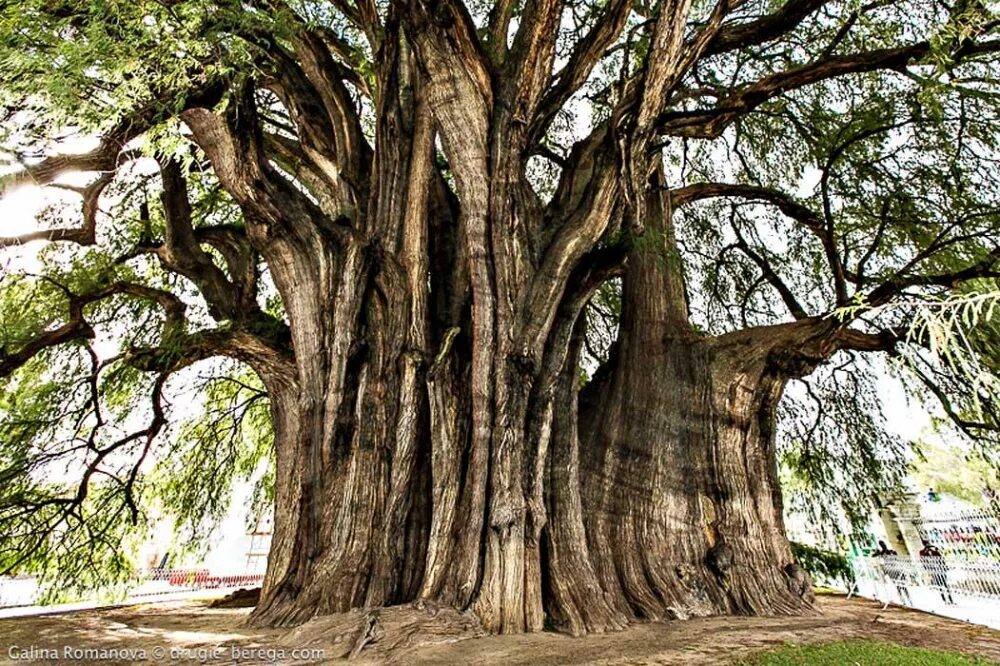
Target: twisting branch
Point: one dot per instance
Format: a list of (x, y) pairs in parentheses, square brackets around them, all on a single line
[(177, 349), (764, 29), (785, 203), (182, 253), (710, 123), (528, 66), (86, 233), (77, 328), (103, 158), (71, 506), (768, 273), (587, 53), (577, 235), (987, 267), (234, 144), (108, 154)]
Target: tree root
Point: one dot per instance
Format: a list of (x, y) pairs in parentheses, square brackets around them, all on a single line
[(383, 634), (241, 598)]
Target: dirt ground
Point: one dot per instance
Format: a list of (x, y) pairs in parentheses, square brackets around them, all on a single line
[(191, 632)]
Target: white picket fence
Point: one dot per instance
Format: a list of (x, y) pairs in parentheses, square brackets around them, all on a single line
[(962, 588)]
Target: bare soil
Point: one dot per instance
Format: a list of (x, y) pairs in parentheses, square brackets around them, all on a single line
[(198, 633)]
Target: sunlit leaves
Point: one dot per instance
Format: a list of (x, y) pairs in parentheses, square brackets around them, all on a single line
[(838, 456), (229, 442)]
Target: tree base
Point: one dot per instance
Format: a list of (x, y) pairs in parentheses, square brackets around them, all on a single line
[(385, 635), (380, 634)]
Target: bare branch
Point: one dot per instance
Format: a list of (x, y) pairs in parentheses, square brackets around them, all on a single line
[(785, 203), (764, 29), (77, 328), (987, 267), (767, 272)]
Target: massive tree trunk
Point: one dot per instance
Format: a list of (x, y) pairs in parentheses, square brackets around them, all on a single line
[(432, 441), (427, 444), (681, 496), (404, 475), (680, 491)]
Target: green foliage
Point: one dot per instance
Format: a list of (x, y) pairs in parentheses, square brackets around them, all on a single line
[(903, 170), (76, 496), (836, 452), (230, 441), (860, 653), (50, 430), (822, 565), (81, 65), (947, 468)]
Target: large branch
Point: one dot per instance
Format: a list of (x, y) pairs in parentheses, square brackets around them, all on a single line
[(86, 233), (77, 328), (718, 38), (235, 146), (763, 29), (785, 203), (107, 155), (459, 88), (599, 267), (528, 66), (176, 349), (986, 267), (310, 84), (580, 228), (587, 53), (710, 123), (111, 153), (181, 252), (353, 151), (103, 158), (663, 65)]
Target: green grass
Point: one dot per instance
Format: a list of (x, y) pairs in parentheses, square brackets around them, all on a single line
[(860, 653)]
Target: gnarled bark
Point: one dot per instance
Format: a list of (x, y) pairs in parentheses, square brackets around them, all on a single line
[(432, 443), (680, 488), (428, 448)]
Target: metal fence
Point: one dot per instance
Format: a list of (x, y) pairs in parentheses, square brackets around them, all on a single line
[(22, 591), (963, 587), (970, 534)]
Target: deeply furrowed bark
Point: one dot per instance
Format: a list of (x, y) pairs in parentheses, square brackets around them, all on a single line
[(673, 512), (429, 446), (680, 493)]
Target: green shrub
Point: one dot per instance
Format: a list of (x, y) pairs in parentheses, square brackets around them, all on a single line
[(822, 565)]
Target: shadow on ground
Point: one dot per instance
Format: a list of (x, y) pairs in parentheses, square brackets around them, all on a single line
[(210, 635)]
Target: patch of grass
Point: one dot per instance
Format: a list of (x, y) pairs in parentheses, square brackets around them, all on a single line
[(860, 653)]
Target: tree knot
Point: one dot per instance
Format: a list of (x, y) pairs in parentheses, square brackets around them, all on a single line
[(720, 558)]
